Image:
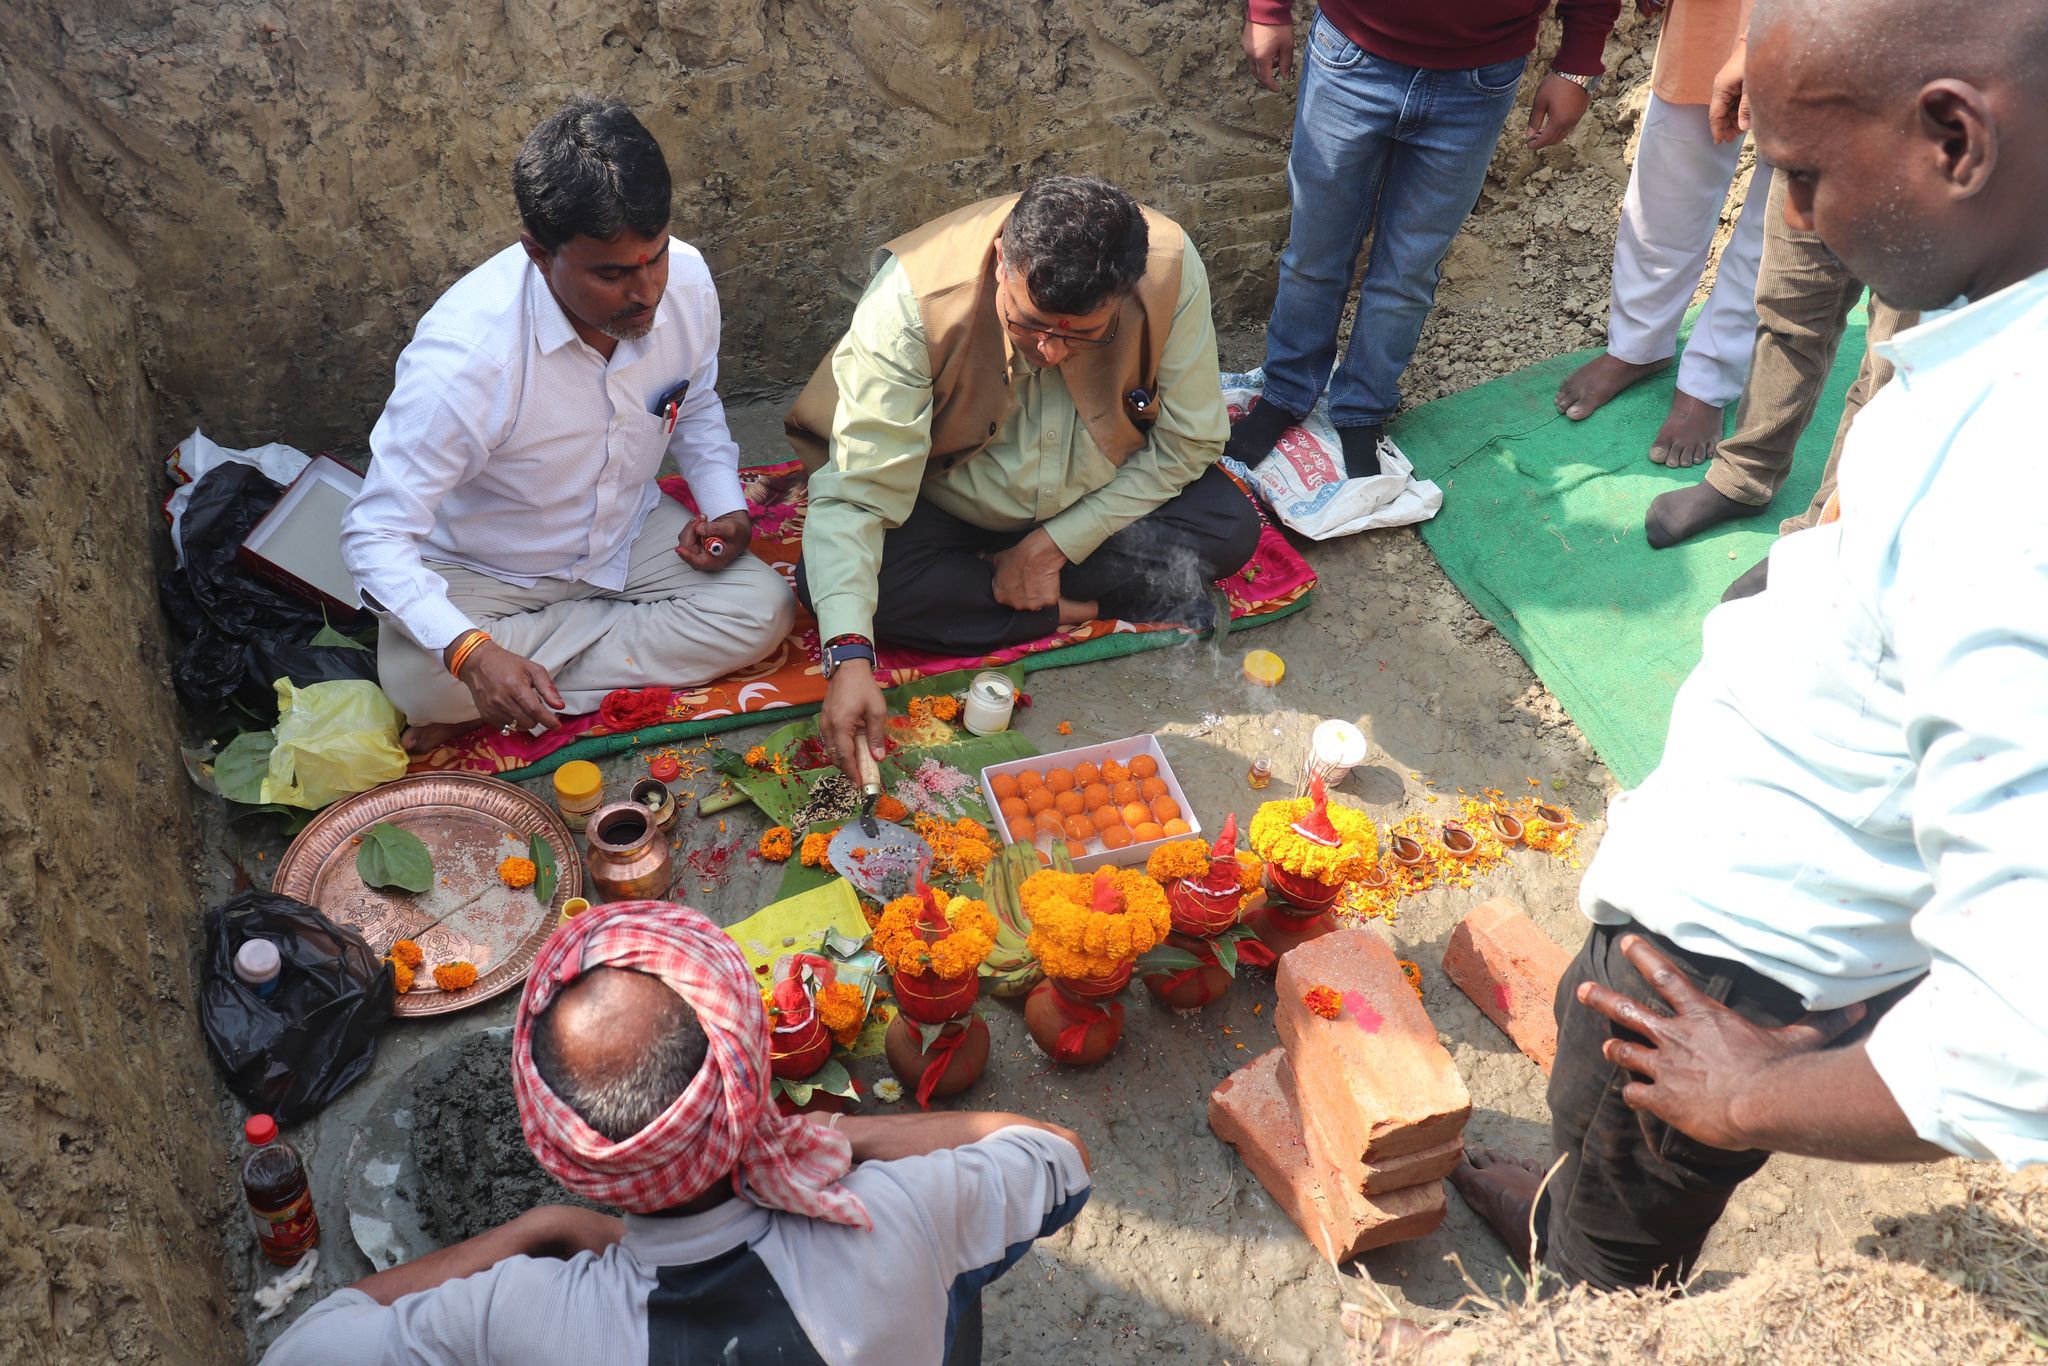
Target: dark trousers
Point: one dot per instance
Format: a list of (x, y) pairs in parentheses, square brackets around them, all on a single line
[(936, 588), (1635, 1199)]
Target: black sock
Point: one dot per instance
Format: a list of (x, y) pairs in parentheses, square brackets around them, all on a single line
[(1361, 450), (1253, 438)]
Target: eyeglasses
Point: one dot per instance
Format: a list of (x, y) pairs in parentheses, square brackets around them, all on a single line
[(1079, 343)]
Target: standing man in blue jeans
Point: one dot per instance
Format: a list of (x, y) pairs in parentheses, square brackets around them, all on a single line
[(1401, 107)]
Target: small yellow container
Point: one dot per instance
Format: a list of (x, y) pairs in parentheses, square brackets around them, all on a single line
[(1263, 668), (572, 908), (579, 790)]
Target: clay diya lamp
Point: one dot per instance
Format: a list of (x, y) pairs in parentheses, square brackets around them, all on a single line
[(1405, 852), (627, 859), (952, 1062), (798, 1042), (1507, 828), (1209, 905), (1459, 842)]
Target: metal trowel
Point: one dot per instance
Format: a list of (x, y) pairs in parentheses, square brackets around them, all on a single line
[(880, 858)]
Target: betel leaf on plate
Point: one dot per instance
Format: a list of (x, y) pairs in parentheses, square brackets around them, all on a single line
[(546, 873), (392, 857)]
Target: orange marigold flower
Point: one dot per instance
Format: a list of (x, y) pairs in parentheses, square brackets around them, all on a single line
[(777, 843), (516, 872), (1178, 859), (455, 976), (1323, 1001), (401, 975), (1066, 727), (961, 849), (843, 1010), (1071, 938), (408, 953), (814, 847), (1413, 972), (1274, 839), (972, 939), (756, 757), (945, 707)]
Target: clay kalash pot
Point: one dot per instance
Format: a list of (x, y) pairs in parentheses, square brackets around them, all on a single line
[(953, 1062), (1281, 926), (935, 1000), (1076, 1021), (798, 1042), (1310, 895), (627, 859), (1195, 987)]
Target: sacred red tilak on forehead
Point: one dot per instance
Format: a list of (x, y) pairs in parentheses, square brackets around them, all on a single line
[(643, 258)]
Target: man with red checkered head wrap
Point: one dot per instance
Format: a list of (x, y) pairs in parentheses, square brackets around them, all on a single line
[(640, 1062), (640, 1068)]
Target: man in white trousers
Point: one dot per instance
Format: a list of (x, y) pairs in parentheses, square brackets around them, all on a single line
[(1673, 207)]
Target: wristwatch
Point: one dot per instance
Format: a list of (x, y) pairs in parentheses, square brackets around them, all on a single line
[(1589, 84), (837, 652)]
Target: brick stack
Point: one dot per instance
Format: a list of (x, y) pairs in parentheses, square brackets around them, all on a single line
[(1352, 1123), (1510, 969)]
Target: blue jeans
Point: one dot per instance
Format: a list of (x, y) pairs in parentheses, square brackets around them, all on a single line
[(1394, 150)]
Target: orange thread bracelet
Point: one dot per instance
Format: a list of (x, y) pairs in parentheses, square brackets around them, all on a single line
[(463, 651)]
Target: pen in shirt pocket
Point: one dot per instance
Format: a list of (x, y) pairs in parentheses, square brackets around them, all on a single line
[(670, 405)]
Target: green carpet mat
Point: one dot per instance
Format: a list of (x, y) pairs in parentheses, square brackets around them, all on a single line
[(1542, 530)]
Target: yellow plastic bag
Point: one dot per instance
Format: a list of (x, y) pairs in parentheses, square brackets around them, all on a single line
[(332, 739)]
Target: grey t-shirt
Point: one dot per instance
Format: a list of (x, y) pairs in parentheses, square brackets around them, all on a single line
[(946, 1224)]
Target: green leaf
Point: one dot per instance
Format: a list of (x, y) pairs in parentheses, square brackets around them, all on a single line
[(834, 1079), (799, 1092), (296, 818), (241, 768), (1226, 955), (928, 1034), (391, 857), (327, 635), (546, 872), (1166, 958)]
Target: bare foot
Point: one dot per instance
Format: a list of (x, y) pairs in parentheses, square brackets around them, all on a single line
[(1501, 1189), (426, 739), (1690, 435), (1586, 390)]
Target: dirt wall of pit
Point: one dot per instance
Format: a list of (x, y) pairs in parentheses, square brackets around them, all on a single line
[(232, 214)]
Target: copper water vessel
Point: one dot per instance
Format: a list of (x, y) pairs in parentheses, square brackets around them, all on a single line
[(628, 855)]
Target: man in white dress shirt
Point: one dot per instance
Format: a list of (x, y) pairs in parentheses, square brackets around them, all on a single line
[(510, 535), (1819, 925)]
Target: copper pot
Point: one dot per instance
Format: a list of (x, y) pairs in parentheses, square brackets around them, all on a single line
[(628, 858)]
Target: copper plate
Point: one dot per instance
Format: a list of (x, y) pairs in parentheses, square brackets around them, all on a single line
[(468, 823)]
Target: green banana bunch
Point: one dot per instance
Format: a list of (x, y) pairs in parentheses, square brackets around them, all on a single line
[(1010, 968)]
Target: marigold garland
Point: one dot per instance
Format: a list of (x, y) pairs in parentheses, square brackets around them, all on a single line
[(455, 976), (843, 1010), (401, 975), (1274, 839), (516, 872), (776, 843), (973, 937), (960, 848), (409, 953), (1070, 938), (1323, 1001), (812, 853)]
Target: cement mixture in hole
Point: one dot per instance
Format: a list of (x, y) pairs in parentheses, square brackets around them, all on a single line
[(474, 1168)]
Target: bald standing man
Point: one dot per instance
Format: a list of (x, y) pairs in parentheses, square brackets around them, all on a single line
[(1848, 970)]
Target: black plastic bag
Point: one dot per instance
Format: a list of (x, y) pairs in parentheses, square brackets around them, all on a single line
[(316, 1034), (242, 632)]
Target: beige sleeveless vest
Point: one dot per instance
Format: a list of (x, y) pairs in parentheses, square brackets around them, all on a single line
[(951, 265)]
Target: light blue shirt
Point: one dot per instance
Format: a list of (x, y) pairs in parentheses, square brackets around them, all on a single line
[(1855, 788)]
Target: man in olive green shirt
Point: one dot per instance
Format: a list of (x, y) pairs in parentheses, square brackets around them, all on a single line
[(1018, 433)]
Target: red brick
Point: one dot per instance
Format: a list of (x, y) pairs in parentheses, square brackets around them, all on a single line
[(1377, 1080), (1510, 969), (1252, 1113), (1369, 1178)]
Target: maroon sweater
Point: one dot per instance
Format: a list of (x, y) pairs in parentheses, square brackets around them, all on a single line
[(1445, 35)]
